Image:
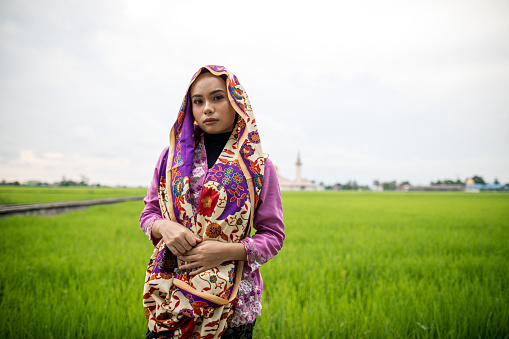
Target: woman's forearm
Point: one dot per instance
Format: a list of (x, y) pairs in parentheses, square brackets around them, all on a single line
[(236, 251), (155, 229), (209, 254)]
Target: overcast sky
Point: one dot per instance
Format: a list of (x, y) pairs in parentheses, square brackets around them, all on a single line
[(387, 90)]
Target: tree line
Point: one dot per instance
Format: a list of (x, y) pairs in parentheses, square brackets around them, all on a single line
[(393, 185), (84, 182)]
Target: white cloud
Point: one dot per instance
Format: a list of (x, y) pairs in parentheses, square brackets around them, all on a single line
[(52, 166), (365, 90), (52, 155)]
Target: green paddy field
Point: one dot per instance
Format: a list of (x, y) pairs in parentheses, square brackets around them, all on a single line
[(31, 195), (353, 265)]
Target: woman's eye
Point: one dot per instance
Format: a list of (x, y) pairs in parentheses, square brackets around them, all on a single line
[(218, 97), (197, 102)]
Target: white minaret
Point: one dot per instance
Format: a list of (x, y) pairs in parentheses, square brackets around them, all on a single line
[(299, 164)]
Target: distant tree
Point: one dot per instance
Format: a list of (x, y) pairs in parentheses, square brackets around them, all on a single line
[(66, 182), (389, 185), (496, 182), (376, 182), (448, 182), (478, 180), (405, 183), (14, 183), (84, 180)]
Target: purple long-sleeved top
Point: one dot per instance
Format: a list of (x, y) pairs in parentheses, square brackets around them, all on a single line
[(262, 246)]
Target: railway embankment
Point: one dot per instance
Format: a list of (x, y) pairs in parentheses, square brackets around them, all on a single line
[(50, 208)]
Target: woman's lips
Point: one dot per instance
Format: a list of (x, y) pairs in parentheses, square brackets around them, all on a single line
[(209, 121)]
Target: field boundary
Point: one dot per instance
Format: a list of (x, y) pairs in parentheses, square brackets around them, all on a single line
[(60, 207)]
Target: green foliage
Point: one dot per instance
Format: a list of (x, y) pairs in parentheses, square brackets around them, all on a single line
[(75, 275), (29, 195), (391, 264), (390, 186), (478, 180), (448, 182)]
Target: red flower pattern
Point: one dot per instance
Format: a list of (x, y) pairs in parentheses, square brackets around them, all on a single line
[(208, 201)]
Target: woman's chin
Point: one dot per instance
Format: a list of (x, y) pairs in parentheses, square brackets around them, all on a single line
[(215, 129)]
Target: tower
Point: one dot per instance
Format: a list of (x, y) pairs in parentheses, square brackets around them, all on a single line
[(299, 164)]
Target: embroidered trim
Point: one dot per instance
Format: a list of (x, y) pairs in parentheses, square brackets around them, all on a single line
[(198, 174), (249, 304), (147, 227), (254, 258)]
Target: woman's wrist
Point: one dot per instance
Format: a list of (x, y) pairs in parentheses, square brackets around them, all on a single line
[(156, 233), (237, 251)]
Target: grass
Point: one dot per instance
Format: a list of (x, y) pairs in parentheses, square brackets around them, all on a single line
[(30, 195), (75, 275), (414, 265), (373, 265)]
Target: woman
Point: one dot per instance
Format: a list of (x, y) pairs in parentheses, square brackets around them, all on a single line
[(209, 186)]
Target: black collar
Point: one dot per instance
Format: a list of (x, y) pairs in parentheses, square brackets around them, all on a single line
[(214, 144)]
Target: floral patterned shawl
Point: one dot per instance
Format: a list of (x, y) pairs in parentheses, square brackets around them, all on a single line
[(176, 304)]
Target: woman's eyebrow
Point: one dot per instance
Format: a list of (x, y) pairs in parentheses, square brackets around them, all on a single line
[(211, 93)]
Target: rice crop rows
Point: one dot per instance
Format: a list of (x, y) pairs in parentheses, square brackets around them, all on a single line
[(354, 265), (38, 194)]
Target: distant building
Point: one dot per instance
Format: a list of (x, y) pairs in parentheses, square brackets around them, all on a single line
[(441, 187), (476, 188), (300, 184), (470, 186)]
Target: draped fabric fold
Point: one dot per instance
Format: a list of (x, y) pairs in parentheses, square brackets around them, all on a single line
[(176, 304)]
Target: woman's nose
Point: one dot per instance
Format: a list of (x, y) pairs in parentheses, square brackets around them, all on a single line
[(208, 109)]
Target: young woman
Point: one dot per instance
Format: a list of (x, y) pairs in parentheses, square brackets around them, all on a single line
[(209, 186)]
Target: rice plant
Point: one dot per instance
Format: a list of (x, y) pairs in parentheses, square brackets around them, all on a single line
[(353, 265)]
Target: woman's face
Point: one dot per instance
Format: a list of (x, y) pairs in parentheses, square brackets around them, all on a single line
[(211, 108)]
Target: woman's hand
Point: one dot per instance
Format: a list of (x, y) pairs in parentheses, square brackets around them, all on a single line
[(209, 254), (177, 238)]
